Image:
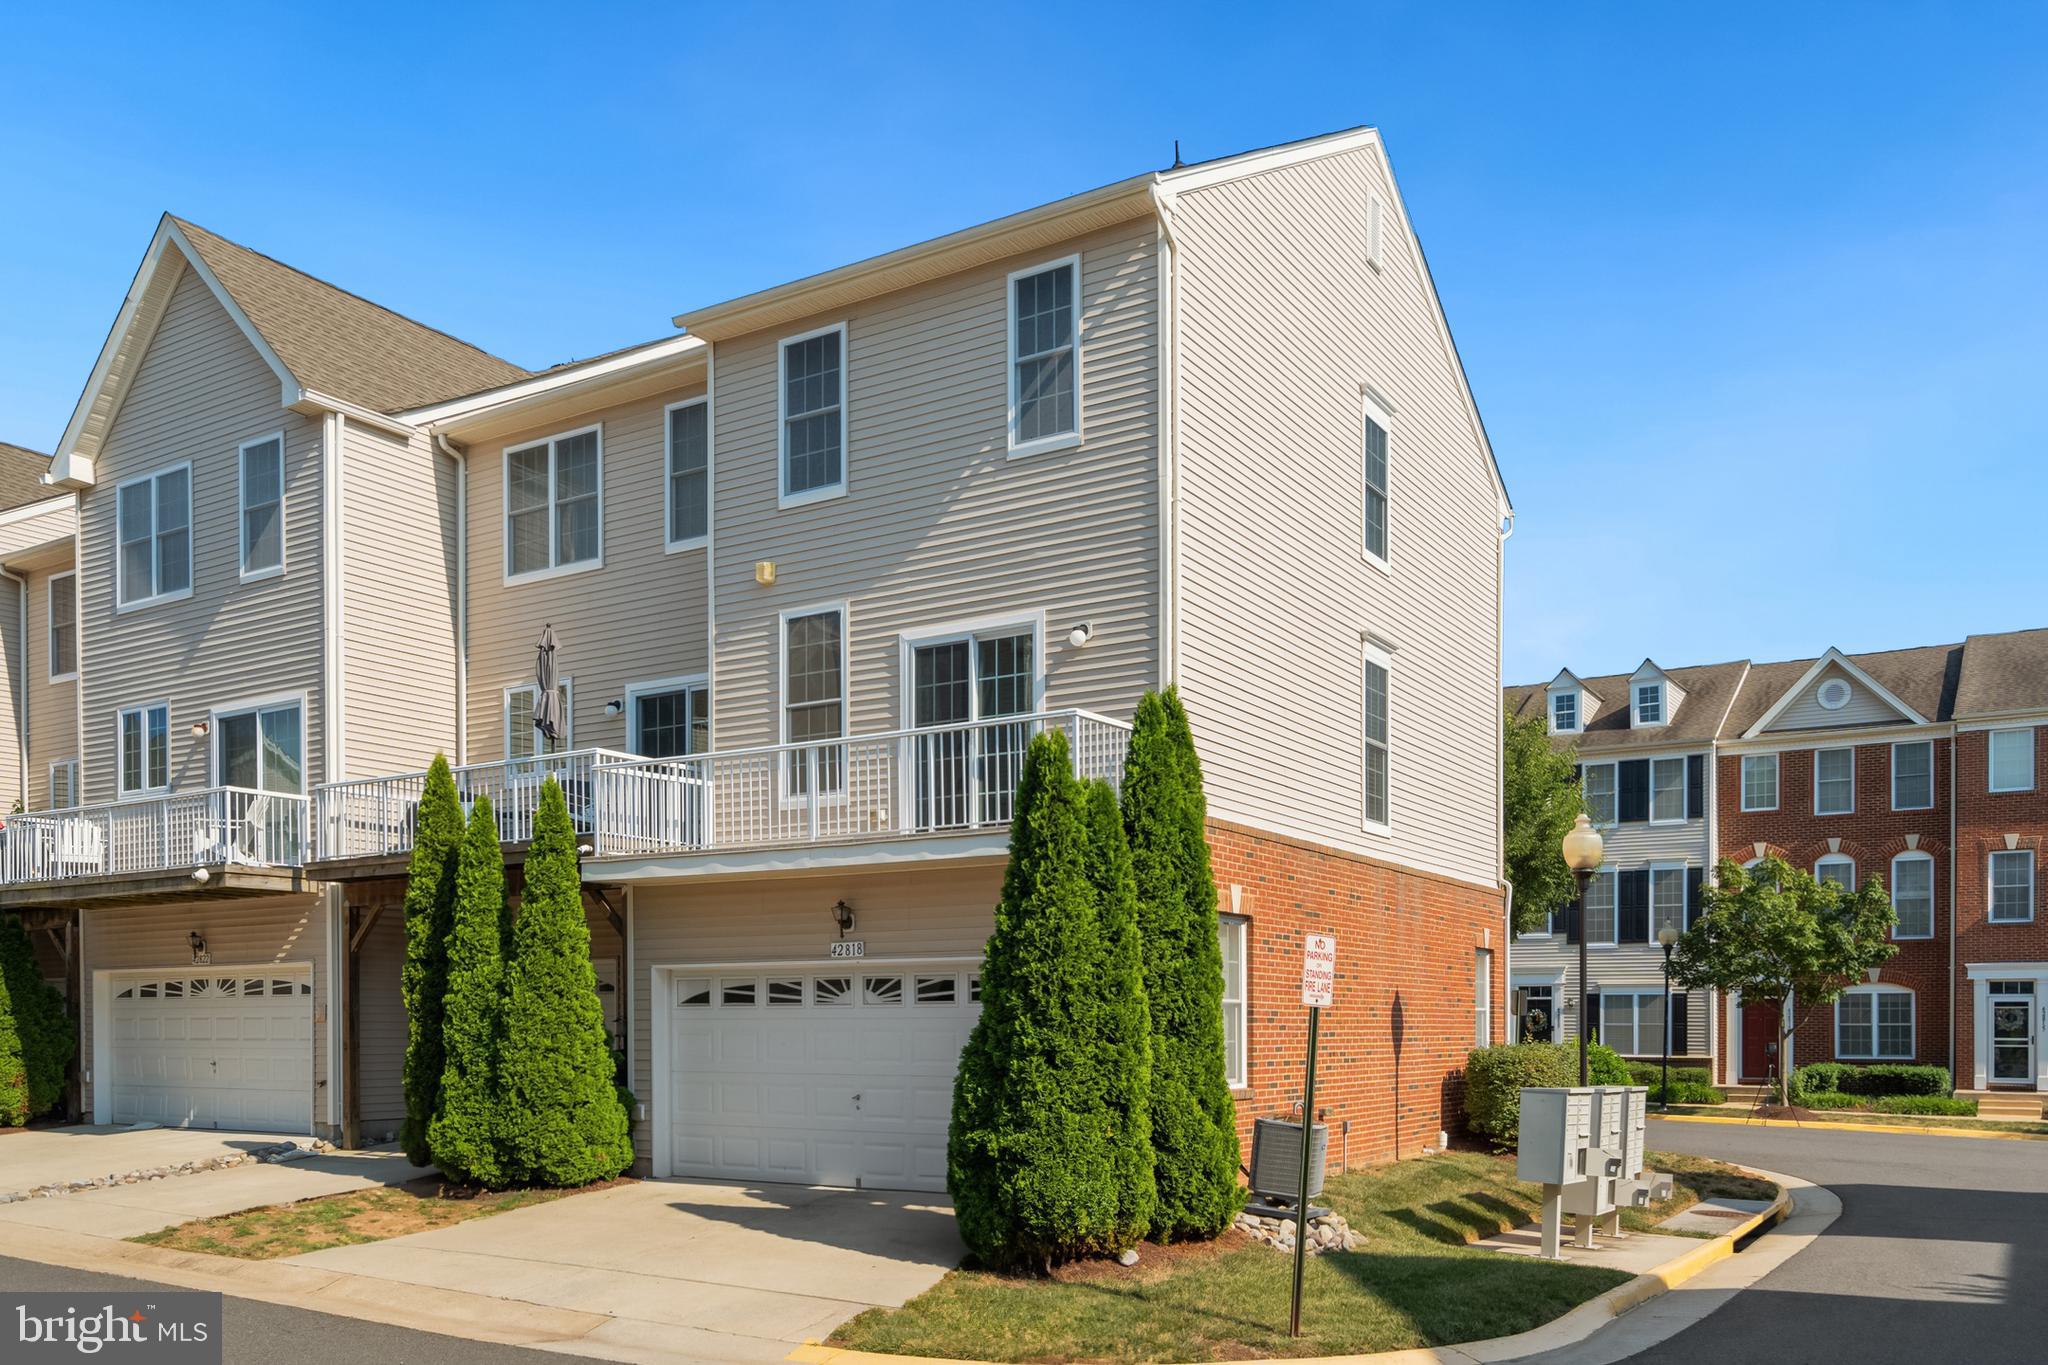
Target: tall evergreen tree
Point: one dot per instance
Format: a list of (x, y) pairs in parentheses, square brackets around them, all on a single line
[(561, 1122), (41, 1027), (1123, 1020), (1194, 1122), (463, 1135), (14, 1110), (1028, 1158), (429, 914)]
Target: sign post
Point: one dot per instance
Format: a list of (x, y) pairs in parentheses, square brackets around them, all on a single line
[(1318, 988)]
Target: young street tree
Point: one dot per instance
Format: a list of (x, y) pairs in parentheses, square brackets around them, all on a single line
[(36, 1034), (429, 913), (463, 1135), (560, 1120), (1194, 1121), (1123, 1025), (1541, 798), (1772, 932)]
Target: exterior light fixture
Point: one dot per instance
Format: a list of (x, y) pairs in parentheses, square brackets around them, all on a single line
[(585, 850), (614, 707), (764, 572), (201, 728), (1583, 850), (197, 940), (1081, 634), (201, 875), (842, 915), (1871, 972)]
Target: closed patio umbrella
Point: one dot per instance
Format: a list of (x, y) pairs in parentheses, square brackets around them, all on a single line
[(547, 701)]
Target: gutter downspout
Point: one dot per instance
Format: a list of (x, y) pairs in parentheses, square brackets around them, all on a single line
[(1507, 967), (1169, 435), (1955, 1080), (21, 682), (1707, 871), (442, 444)]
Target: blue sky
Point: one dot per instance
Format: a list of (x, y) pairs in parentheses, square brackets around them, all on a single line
[(1752, 299)]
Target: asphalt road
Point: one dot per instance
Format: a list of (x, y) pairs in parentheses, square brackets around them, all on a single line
[(1940, 1254), (255, 1333)]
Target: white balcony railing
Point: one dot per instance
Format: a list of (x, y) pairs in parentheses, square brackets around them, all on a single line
[(207, 828), (896, 785), (377, 816)]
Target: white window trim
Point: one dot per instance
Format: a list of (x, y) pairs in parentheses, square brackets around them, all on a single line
[(1933, 901), (1613, 939), (1836, 858), (568, 741), (1578, 724), (1874, 1055), (1990, 887), (1666, 866), (649, 687), (1236, 1069), (782, 619), (120, 570), (1045, 444), (50, 622), (1990, 739), (1850, 750), (1636, 995), (1908, 744), (1635, 704), (671, 543), (1372, 653), (252, 706), (1371, 405), (553, 570), (783, 497), (76, 794), (910, 641), (1482, 997), (1777, 775), (1615, 787), (247, 574), (1684, 776), (122, 790)]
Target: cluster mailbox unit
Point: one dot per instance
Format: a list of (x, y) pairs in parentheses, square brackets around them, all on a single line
[(1584, 1146)]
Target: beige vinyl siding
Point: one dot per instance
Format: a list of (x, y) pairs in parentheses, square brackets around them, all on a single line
[(15, 668), (52, 706), (199, 392), (938, 526), (380, 1027), (1864, 707), (1279, 321), (398, 602), (241, 933), (937, 912), (638, 618)]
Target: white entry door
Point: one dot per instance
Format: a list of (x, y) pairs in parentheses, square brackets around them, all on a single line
[(214, 1051), (840, 1076)]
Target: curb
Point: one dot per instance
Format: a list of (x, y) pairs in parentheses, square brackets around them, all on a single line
[(1568, 1330), (1824, 1125)]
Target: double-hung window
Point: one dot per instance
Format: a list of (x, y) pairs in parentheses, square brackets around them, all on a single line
[(2012, 760), (1667, 790), (814, 700), (259, 748), (1913, 895), (1231, 931), (1378, 422), (1759, 781), (1564, 713), (1597, 915), (145, 749), (689, 473), (63, 607), (1913, 775), (670, 719), (1838, 868), (1596, 784), (812, 400), (154, 561), (1045, 360), (1874, 1022), (262, 482), (1667, 900), (1632, 1022), (1650, 704), (554, 494), (2012, 886), (1377, 742), (1834, 781)]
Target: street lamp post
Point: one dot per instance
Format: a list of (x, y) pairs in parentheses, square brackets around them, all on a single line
[(1582, 853), (1666, 936)]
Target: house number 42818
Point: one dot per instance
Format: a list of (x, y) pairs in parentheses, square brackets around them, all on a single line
[(849, 947)]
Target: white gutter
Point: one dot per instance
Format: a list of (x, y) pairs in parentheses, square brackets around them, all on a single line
[(1169, 435), (1953, 1078), (1507, 970), (442, 444), (21, 683), (333, 758)]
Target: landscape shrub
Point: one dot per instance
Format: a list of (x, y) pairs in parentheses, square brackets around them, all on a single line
[(1123, 1021), (1894, 1078), (463, 1136), (1603, 1066), (423, 981), (1827, 1099), (1495, 1077), (1651, 1074), (1194, 1120), (1818, 1078), (1947, 1105), (1691, 1092), (37, 1038), (13, 1070)]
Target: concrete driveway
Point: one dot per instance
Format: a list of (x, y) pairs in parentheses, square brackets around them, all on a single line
[(714, 1271), (45, 1156)]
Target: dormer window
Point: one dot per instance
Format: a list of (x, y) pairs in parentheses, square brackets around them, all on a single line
[(1650, 703), (1564, 713)]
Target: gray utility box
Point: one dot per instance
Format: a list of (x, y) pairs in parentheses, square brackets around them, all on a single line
[(1630, 1106), (1276, 1159), (1556, 1131)]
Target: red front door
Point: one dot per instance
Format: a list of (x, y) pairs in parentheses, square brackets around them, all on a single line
[(1759, 1038)]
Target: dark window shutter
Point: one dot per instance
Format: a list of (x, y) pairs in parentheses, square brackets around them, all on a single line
[(1680, 1020), (1695, 877), (1634, 907), (1695, 786), (1634, 801), (1578, 774), (1591, 1023), (1572, 921)]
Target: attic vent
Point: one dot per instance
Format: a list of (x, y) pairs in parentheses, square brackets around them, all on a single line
[(1833, 695)]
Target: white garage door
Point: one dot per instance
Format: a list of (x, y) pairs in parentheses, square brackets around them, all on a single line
[(827, 1077), (214, 1051)]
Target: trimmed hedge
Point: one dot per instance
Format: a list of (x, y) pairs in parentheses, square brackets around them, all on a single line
[(1652, 1075), (37, 1036), (1880, 1079), (1496, 1076), (1827, 1099), (1945, 1105), (1688, 1092)]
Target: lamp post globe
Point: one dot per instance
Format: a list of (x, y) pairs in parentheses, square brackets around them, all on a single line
[(1583, 850), (1666, 937)]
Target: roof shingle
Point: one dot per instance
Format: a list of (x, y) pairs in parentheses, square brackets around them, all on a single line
[(2004, 673), (21, 477)]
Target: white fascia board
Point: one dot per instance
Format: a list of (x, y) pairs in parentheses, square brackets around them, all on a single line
[(1806, 680), (507, 397)]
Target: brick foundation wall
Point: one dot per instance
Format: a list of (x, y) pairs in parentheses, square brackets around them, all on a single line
[(1393, 1046), (1983, 820)]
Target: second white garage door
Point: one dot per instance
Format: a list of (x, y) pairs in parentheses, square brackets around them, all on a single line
[(214, 1051), (827, 1077)]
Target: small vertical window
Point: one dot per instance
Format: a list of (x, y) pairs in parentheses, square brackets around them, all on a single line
[(689, 473), (522, 739), (2012, 886), (1230, 933), (64, 784), (263, 507), (63, 605), (1377, 742), (145, 738), (813, 402), (553, 503), (154, 527), (813, 698), (1913, 895), (1482, 997), (2012, 760), (1667, 790), (1564, 712), (1374, 479), (1596, 784), (1759, 781), (1913, 775), (1667, 900), (1045, 401), (1598, 911), (1834, 781), (1375, 231)]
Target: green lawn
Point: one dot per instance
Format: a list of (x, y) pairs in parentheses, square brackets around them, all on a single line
[(1414, 1282), (2033, 1126)]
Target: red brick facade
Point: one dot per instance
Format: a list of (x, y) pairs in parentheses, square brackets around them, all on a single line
[(1393, 1046), (1984, 820)]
